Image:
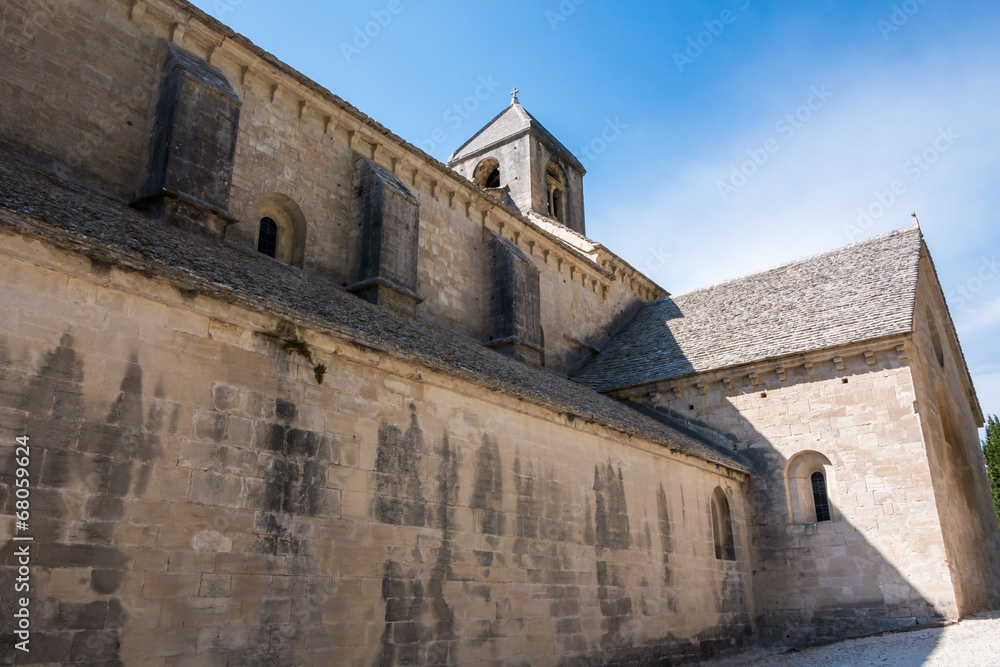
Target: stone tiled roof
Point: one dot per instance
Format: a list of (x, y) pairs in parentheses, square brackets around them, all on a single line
[(511, 121), (574, 238), (42, 205), (860, 292)]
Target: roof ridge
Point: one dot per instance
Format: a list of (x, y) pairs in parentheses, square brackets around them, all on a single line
[(41, 204), (526, 123), (802, 260), (485, 127), (548, 136)]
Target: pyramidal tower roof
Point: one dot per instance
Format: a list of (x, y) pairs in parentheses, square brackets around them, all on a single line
[(511, 122)]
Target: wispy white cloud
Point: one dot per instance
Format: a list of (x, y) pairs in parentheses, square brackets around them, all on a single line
[(808, 195), (975, 319)]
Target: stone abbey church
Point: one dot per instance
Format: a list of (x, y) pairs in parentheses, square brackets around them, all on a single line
[(296, 393)]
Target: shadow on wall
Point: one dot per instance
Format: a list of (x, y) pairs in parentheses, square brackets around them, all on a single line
[(576, 548), (814, 579), (537, 577), (105, 463), (660, 349)]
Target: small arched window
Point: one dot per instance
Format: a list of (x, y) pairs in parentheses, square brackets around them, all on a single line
[(556, 191), (487, 173), (722, 527), (820, 500), (282, 233), (806, 479), (267, 237)]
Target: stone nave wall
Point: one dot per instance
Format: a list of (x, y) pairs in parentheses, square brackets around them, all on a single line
[(881, 562), (198, 498), (949, 415), (79, 92)]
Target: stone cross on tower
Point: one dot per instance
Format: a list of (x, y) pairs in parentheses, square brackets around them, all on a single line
[(513, 96)]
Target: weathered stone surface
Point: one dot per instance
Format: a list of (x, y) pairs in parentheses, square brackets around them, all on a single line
[(204, 494), (883, 560), (523, 150), (469, 536), (515, 322), (193, 146), (103, 138), (388, 240)]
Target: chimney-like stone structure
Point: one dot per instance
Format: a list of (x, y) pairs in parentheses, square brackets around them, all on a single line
[(515, 304), (193, 146), (388, 243)]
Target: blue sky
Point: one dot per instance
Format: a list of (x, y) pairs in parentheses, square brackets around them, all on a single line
[(743, 133)]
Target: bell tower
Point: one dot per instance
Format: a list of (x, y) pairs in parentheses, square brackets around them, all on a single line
[(518, 161)]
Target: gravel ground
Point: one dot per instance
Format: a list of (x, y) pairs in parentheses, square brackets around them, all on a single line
[(973, 642)]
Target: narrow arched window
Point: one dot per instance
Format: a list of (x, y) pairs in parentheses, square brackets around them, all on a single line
[(555, 190), (722, 527), (555, 204), (487, 173), (267, 238), (820, 499), (493, 179)]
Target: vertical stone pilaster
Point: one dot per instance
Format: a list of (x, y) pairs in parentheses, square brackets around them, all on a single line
[(387, 247), (193, 146), (515, 304)]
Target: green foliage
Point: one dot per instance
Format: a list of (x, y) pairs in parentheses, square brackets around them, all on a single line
[(298, 347), (991, 452), (301, 348)]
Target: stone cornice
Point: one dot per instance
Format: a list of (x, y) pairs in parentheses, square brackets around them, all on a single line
[(250, 313), (747, 376), (188, 26)]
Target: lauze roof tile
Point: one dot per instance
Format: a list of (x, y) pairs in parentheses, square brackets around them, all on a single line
[(856, 293)]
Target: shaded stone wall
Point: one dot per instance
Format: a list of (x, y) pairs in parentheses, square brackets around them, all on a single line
[(200, 498), (89, 112), (515, 169), (950, 431), (881, 562), (84, 111), (573, 213)]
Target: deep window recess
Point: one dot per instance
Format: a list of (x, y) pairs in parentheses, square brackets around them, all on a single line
[(487, 173), (555, 188), (493, 180), (267, 239), (820, 499), (722, 527)]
